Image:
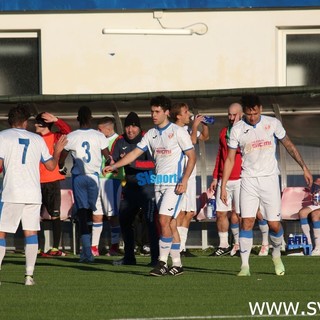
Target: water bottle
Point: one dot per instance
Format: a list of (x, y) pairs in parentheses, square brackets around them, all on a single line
[(208, 119), (211, 208), (304, 239), (290, 241), (316, 199)]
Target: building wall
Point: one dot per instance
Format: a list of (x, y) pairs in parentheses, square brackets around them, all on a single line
[(239, 50)]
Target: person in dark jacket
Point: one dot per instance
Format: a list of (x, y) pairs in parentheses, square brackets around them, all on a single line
[(135, 196)]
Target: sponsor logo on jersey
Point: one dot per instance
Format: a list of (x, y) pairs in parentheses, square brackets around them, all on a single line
[(163, 152), (255, 145), (149, 177)]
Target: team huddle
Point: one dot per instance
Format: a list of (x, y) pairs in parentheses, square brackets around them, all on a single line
[(158, 167)]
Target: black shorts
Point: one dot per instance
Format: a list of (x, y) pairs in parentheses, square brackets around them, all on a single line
[(51, 197)]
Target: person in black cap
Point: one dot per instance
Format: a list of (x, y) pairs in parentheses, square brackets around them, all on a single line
[(135, 196)]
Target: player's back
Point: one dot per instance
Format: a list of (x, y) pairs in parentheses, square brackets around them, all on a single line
[(85, 146), (22, 152)]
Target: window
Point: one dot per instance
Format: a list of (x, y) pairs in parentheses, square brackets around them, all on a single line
[(299, 59), (19, 63)]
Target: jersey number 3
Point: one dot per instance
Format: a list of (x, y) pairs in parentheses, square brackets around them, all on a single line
[(86, 146)]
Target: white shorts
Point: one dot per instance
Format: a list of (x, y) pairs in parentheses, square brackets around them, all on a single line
[(313, 207), (189, 202), (109, 197), (168, 202), (263, 193), (233, 194), (86, 191), (12, 213)]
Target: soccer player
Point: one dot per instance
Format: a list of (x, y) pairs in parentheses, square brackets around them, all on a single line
[(87, 147), (233, 188), (168, 144), (314, 211), (50, 180), (180, 115), (109, 197), (21, 152), (256, 136)]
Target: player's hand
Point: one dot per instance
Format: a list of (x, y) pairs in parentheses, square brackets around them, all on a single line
[(213, 185), (181, 187), (108, 169), (197, 120), (48, 117), (61, 143), (109, 161), (224, 196), (308, 177)]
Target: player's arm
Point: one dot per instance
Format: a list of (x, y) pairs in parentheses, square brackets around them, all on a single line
[(63, 127), (204, 134), (214, 182), (294, 153), (58, 147), (128, 158), (192, 158), (106, 153), (227, 169)]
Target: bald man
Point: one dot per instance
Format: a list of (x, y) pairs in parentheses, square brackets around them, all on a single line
[(233, 188)]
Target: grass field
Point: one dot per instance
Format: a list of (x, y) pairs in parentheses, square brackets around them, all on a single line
[(209, 289)]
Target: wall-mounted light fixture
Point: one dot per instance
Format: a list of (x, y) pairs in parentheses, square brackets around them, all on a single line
[(149, 31), (196, 28)]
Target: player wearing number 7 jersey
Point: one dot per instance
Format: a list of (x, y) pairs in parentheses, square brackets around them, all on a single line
[(86, 146), (21, 152)]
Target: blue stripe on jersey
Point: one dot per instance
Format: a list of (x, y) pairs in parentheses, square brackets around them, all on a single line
[(246, 234), (2, 242), (164, 128), (32, 239), (179, 167), (143, 149), (167, 240), (43, 161), (276, 234)]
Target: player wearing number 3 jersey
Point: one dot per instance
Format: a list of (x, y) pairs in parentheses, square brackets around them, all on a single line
[(86, 146)]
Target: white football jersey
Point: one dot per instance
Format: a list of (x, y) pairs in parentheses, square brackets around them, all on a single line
[(194, 171), (22, 151), (85, 146), (167, 146), (258, 145)]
